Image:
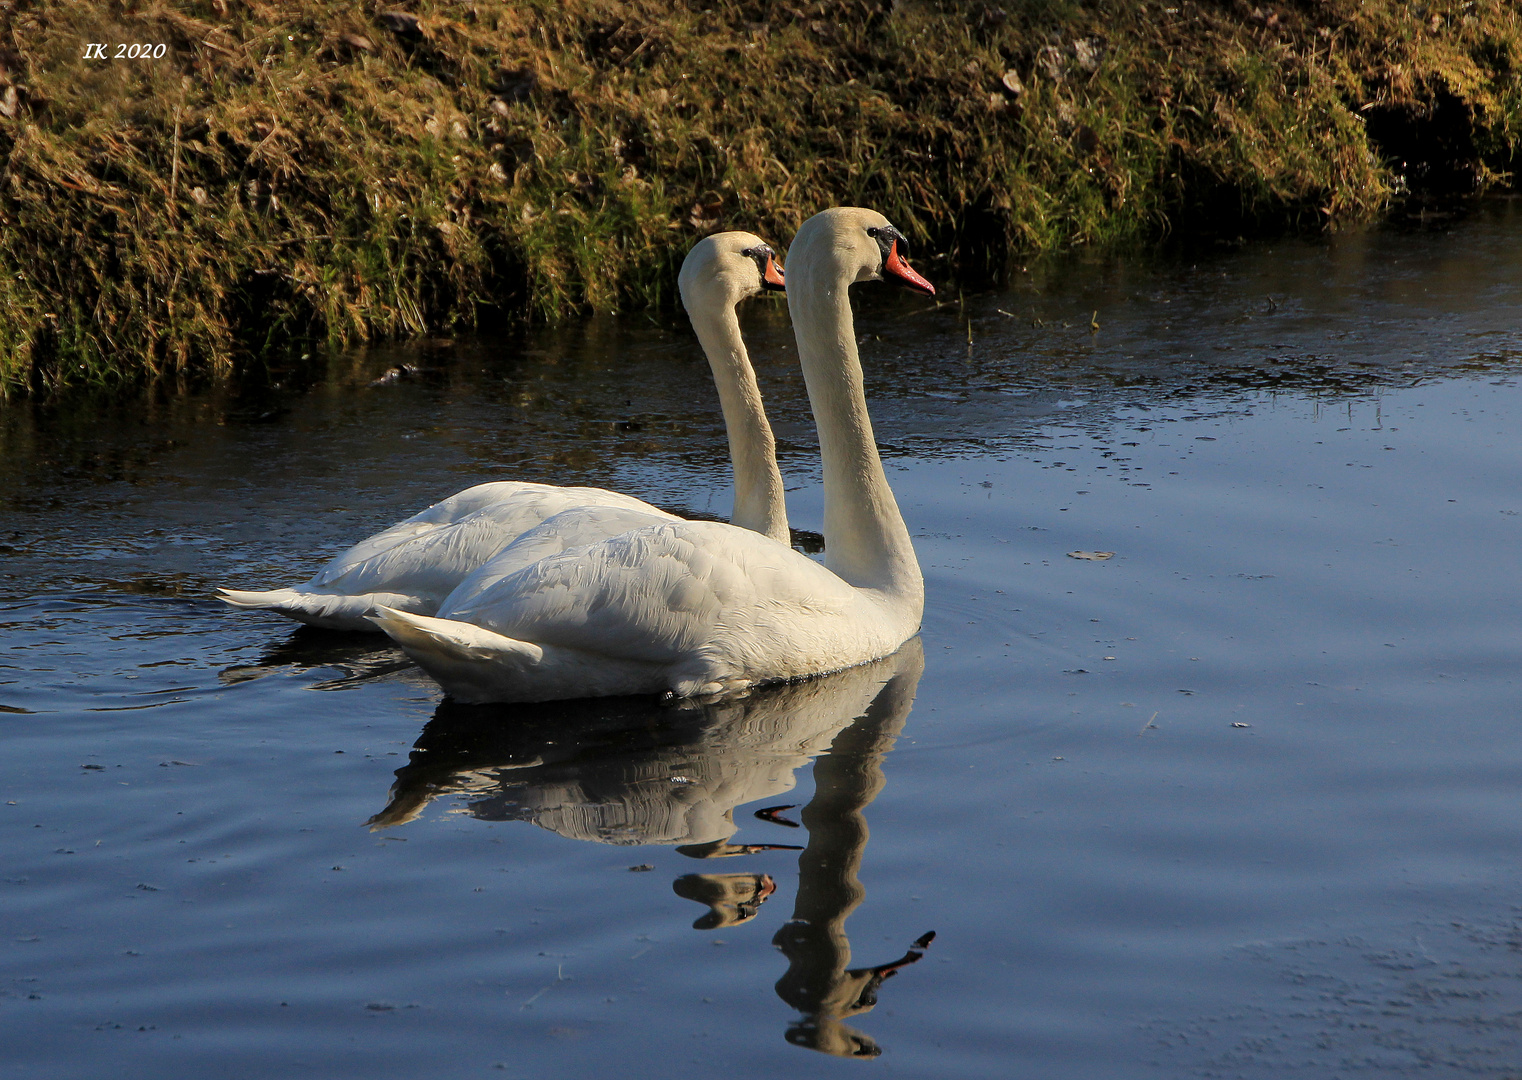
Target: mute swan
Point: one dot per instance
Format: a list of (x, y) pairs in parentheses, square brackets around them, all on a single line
[(695, 607), (413, 565)]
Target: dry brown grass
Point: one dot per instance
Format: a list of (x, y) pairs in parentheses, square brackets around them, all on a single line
[(294, 173)]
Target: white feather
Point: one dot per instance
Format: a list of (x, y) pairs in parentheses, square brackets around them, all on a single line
[(414, 564), (703, 607)]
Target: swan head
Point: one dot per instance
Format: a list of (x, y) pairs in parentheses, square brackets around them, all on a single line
[(725, 268), (858, 244)]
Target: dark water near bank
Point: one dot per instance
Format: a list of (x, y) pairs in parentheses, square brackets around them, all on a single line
[(1243, 800)]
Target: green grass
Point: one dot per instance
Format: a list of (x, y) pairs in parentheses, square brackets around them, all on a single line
[(316, 174)]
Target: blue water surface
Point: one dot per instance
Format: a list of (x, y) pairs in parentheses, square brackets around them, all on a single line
[(1240, 799)]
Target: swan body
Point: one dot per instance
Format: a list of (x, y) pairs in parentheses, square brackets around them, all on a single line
[(414, 565), (692, 607)]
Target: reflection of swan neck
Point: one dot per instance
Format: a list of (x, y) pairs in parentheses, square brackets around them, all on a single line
[(846, 780), (866, 541), (759, 504)]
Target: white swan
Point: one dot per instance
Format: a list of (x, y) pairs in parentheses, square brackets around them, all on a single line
[(415, 564), (697, 607)]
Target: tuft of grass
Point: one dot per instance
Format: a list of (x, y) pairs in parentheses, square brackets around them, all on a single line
[(318, 173)]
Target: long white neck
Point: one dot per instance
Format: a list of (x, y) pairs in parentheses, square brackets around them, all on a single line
[(759, 504), (866, 541)]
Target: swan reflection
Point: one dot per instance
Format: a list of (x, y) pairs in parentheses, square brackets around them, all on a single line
[(819, 982), (633, 771), (357, 657), (732, 899)]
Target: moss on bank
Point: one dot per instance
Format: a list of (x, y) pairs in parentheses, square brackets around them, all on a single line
[(294, 172)]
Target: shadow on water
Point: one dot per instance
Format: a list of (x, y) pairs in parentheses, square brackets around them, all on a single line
[(636, 771), (358, 657)]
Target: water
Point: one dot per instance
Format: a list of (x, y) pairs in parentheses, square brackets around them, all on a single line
[(1240, 800)]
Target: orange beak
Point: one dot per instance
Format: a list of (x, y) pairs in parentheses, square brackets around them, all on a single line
[(895, 267), (771, 277)]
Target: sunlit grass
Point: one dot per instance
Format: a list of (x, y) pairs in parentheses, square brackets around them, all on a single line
[(311, 174)]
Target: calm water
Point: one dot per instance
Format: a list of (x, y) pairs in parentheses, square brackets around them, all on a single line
[(1243, 800)]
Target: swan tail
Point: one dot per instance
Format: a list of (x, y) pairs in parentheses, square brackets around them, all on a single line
[(329, 611), (401, 809), (452, 640), (477, 665)]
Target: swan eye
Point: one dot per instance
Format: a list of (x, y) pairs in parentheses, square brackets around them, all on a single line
[(891, 243), (886, 236), (765, 260)]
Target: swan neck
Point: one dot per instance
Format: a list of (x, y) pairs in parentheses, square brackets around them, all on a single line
[(759, 501), (866, 541)]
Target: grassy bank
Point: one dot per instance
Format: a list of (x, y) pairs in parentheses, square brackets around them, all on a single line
[(287, 173)]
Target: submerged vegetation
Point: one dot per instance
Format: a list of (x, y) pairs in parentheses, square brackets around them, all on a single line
[(316, 172)]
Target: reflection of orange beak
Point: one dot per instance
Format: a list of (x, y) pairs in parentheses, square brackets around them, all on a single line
[(771, 277), (894, 266), (767, 887)]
